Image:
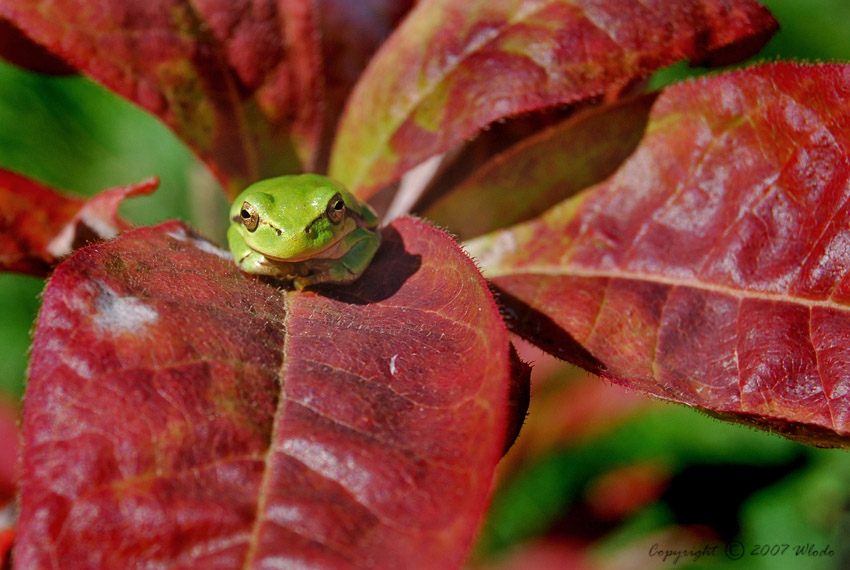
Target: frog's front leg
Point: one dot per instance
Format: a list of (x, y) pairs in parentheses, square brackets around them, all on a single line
[(362, 244), (255, 263)]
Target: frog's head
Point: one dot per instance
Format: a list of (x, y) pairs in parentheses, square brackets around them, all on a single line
[(292, 218)]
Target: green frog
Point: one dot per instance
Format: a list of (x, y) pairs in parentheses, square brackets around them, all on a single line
[(302, 229)]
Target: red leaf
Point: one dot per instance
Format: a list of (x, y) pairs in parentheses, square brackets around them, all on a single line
[(180, 413), (711, 270), (7, 540), (39, 225), (452, 67), (237, 81), (8, 455)]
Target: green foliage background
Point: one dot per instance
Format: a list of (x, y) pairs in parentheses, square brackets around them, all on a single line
[(74, 135)]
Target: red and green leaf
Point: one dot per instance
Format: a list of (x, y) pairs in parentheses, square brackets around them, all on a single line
[(712, 268), (452, 68), (544, 169), (181, 412), (239, 82), (39, 225)]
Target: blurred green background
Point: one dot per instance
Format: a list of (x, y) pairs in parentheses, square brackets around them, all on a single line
[(76, 136)]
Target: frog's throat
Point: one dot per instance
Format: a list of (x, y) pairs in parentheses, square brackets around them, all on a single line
[(333, 251)]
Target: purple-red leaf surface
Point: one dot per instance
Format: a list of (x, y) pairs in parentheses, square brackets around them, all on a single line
[(39, 225), (182, 414), (238, 81), (713, 269), (451, 68)]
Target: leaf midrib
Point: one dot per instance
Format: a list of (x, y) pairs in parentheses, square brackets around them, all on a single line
[(266, 481), (627, 275)]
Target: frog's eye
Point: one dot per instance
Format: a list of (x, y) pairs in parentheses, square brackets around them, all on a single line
[(249, 216), (336, 209)]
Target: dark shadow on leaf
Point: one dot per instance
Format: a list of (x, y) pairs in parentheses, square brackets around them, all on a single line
[(498, 137), (392, 266), (735, 51), (518, 182), (540, 330), (16, 47)]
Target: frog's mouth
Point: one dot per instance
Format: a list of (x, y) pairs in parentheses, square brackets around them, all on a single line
[(333, 251)]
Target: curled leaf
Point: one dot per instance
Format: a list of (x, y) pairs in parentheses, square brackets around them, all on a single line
[(452, 68), (711, 269), (183, 414), (39, 225)]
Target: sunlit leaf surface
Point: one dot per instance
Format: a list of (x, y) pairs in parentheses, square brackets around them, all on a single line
[(712, 268), (183, 414)]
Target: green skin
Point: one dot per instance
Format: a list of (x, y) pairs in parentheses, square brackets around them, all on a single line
[(295, 228)]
